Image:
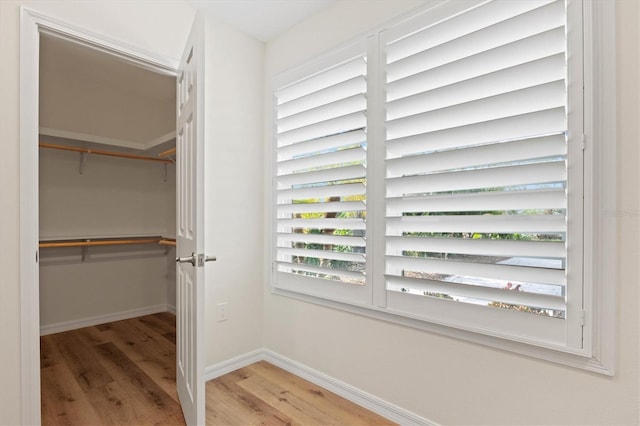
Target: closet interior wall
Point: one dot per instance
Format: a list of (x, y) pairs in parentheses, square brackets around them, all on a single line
[(107, 197)]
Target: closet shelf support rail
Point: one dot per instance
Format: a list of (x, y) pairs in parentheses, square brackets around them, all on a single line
[(99, 242), (101, 152)]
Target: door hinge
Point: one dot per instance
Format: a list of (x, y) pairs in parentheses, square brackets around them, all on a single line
[(582, 318)]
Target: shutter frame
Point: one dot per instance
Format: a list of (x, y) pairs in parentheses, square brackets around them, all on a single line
[(320, 177), (492, 156)]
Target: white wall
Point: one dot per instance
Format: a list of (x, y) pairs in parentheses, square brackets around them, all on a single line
[(233, 182), (110, 281), (102, 111), (163, 31), (442, 379), (86, 91), (113, 197)]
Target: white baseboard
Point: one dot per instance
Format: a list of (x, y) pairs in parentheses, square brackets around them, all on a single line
[(353, 394), (232, 364), (171, 309), (100, 319)]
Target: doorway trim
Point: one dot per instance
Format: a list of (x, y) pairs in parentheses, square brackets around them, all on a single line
[(33, 23)]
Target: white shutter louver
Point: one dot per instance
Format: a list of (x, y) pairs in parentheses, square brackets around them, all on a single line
[(321, 174), (476, 158)]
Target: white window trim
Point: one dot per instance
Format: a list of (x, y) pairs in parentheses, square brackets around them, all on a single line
[(600, 221)]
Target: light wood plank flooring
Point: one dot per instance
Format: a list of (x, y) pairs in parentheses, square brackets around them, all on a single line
[(263, 394), (112, 374), (123, 373)]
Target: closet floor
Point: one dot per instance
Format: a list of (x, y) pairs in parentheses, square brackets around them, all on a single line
[(120, 373), (123, 373)]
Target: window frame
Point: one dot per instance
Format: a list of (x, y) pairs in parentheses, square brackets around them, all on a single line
[(563, 335), (600, 241)]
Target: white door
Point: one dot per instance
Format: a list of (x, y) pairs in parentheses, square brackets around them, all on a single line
[(190, 204)]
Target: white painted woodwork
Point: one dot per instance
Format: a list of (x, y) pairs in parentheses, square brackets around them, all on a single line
[(190, 277)]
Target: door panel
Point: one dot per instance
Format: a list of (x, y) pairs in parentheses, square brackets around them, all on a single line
[(190, 277)]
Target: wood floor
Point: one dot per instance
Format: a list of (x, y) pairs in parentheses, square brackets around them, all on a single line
[(263, 394), (123, 373)]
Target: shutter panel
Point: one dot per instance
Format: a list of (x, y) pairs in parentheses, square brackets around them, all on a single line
[(476, 159), (321, 178)]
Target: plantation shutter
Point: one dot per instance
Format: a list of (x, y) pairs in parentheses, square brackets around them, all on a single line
[(476, 164), (321, 180)]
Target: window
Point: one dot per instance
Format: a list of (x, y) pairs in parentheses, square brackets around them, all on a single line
[(436, 171), (321, 179), (476, 166)]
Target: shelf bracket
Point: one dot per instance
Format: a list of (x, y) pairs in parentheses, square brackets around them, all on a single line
[(85, 250), (83, 161)]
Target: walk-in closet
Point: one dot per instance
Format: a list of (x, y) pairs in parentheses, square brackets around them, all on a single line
[(107, 185)]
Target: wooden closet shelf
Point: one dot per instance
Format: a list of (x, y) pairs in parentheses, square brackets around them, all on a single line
[(106, 242), (167, 153), (101, 152)]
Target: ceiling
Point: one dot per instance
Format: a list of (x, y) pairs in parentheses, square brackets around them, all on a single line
[(262, 19)]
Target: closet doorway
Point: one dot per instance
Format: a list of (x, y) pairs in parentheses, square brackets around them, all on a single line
[(107, 187), (107, 230), (189, 116)]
